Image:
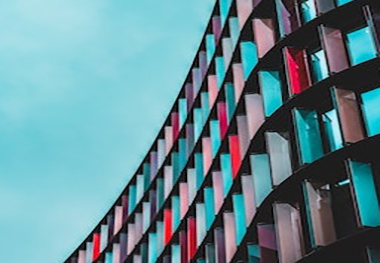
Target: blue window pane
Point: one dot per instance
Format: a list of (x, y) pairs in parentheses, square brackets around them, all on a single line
[(239, 212), (182, 153), (198, 122), (199, 169), (215, 136), (308, 10), (230, 98), (234, 30), (209, 205), (360, 45), (371, 111), (205, 105), (176, 212), (342, 2), (332, 129), (224, 8), (109, 258), (308, 135), (227, 173), (249, 57), (220, 71), (132, 198), (152, 247), (182, 105), (260, 169), (176, 253), (319, 64), (271, 91), (210, 46), (365, 192), (253, 253)]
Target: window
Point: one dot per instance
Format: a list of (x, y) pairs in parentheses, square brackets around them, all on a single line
[(308, 10), (319, 65), (360, 45), (371, 111)]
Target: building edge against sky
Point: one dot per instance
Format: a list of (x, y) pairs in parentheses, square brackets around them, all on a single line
[(271, 150)]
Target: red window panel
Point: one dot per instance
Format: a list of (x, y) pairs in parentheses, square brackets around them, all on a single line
[(175, 125), (191, 238), (96, 246), (167, 226), (297, 70), (222, 117), (235, 154)]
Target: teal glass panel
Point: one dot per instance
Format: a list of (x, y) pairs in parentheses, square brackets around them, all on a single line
[(225, 160), (373, 254), (132, 198), (160, 192), (309, 136), (210, 253), (201, 261), (176, 253), (249, 57), (175, 165), (319, 65), (261, 176), (215, 136), (342, 2), (209, 205), (182, 105), (220, 71), (198, 122), (144, 253), (234, 30), (160, 236), (182, 153), (205, 105), (371, 111), (271, 91), (224, 8), (152, 247), (332, 129), (308, 10), (199, 169), (239, 212), (210, 46), (88, 252), (109, 258), (253, 253), (365, 192), (230, 97), (146, 172), (146, 215), (360, 45), (176, 212)]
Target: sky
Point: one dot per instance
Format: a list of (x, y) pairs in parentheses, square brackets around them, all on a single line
[(85, 86)]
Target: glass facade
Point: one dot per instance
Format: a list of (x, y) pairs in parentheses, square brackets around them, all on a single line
[(271, 151)]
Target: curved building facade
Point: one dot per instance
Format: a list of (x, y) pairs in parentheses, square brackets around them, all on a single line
[(271, 152)]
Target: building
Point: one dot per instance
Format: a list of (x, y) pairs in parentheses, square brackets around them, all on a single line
[(271, 152)]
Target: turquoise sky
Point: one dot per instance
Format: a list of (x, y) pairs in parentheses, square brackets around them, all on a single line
[(85, 86)]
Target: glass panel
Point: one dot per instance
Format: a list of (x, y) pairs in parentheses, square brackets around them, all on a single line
[(248, 57), (184, 198), (319, 64), (279, 156), (267, 242), (261, 177), (215, 136), (308, 135), (230, 234), (220, 71), (244, 9), (199, 169), (183, 245), (270, 83), (220, 245), (88, 252), (202, 55), (319, 214), (235, 154), (224, 8), (287, 16), (206, 150), (225, 162), (198, 122), (210, 47), (217, 181), (210, 253), (168, 177), (146, 217), (152, 247), (168, 226), (243, 131), (205, 105), (365, 192), (230, 99), (238, 77), (191, 237), (227, 51), (109, 258), (116, 253), (288, 232), (222, 117), (264, 33), (346, 103), (160, 236), (361, 46), (342, 2), (371, 111), (332, 129), (249, 197), (103, 237), (176, 212), (297, 70), (255, 112), (132, 198), (182, 105), (334, 48), (209, 206), (192, 182), (160, 192), (201, 222), (234, 30), (253, 253), (324, 6), (239, 212), (96, 246), (308, 10), (216, 28)]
